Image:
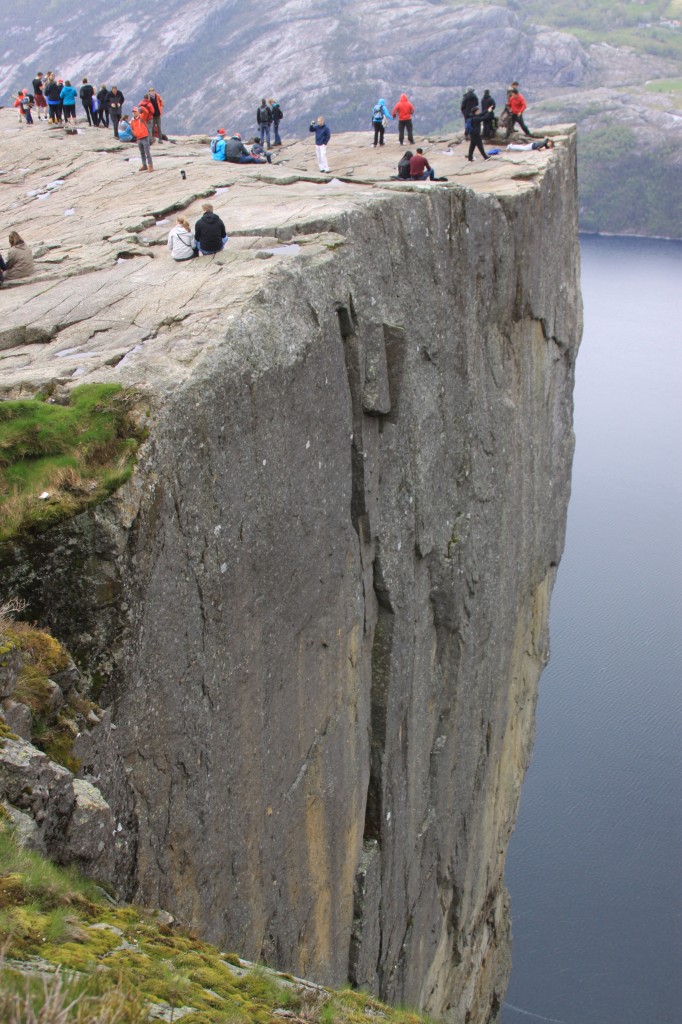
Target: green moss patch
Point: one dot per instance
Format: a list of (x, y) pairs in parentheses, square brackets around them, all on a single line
[(77, 454), (114, 962)]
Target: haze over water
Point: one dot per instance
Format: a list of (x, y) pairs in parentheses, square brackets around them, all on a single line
[(595, 865)]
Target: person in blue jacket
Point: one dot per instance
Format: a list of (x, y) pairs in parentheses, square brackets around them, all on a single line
[(378, 114), (125, 132), (68, 97), (218, 144), (322, 137)]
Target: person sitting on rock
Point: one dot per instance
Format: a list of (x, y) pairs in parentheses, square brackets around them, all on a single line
[(19, 262), (218, 145), (404, 165), (420, 168), (258, 151), (181, 242), (524, 147), (474, 123), (209, 232), (237, 153), (125, 133)]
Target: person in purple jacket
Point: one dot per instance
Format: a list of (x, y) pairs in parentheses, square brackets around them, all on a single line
[(322, 137)]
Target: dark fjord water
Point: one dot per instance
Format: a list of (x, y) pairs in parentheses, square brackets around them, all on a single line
[(595, 865)]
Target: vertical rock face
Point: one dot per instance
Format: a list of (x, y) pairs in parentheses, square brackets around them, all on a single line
[(336, 591)]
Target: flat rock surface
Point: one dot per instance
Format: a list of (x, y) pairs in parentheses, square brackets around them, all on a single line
[(108, 303)]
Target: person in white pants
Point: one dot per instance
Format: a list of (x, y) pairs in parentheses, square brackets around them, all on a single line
[(322, 137)]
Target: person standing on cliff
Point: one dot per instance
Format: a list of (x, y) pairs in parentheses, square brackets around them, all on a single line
[(41, 102), (87, 93), (264, 121), (517, 105), (277, 116), (474, 123), (379, 116), (467, 107), (405, 112), (322, 137), (138, 127), (156, 103)]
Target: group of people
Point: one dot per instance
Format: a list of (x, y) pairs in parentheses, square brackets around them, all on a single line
[(55, 100), (480, 121)]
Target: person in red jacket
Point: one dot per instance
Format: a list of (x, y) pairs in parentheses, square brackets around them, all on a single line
[(138, 126), (157, 107), (517, 105), (404, 110), (420, 168)]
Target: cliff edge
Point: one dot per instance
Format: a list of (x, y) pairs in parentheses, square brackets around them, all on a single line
[(317, 612)]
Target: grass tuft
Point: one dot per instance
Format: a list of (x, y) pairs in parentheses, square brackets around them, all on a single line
[(76, 454)]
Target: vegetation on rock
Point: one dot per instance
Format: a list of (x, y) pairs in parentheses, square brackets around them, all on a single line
[(56, 460), (33, 657), (73, 956)]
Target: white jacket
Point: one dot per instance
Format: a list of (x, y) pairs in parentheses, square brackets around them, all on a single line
[(181, 243)]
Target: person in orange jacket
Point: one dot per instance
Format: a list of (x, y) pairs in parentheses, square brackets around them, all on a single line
[(404, 110), (517, 105), (157, 107)]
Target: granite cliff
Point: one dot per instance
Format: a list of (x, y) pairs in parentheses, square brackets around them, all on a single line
[(316, 615)]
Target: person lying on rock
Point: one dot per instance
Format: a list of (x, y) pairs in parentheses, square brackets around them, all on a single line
[(19, 262), (209, 232), (237, 153), (522, 147), (182, 244)]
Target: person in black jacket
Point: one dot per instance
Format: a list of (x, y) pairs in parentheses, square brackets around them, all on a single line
[(475, 121), (488, 103), (115, 100), (404, 165), (210, 232), (469, 102), (86, 93), (102, 107), (53, 95), (264, 119)]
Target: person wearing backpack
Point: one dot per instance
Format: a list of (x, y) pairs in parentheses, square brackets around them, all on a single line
[(473, 127), (264, 121), (378, 114), (404, 110), (277, 116), (138, 127), (218, 145), (467, 106)]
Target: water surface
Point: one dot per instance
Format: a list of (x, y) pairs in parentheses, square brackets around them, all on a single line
[(595, 865)]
